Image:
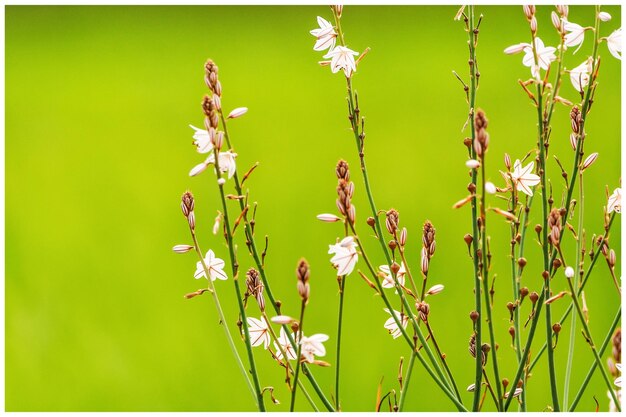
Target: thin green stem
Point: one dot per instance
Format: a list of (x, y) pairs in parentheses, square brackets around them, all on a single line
[(235, 270), (222, 319), (605, 343), (342, 288), (298, 357), (443, 360), (580, 288), (596, 356), (405, 385), (251, 242)]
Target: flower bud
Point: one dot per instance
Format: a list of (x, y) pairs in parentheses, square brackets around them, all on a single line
[(534, 297), (435, 289), (182, 248), (563, 10), (472, 164), (556, 21), (590, 160), (371, 222), (218, 103), (302, 273), (521, 262), (573, 140), (403, 236), (221, 181), (393, 218), (424, 263), (490, 188), (611, 259), (507, 161), (329, 218), (474, 316), (187, 203), (569, 272), (282, 319), (556, 328), (604, 16), (516, 49), (533, 24), (238, 112)]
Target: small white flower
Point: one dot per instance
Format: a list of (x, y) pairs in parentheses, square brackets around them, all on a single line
[(238, 112), (345, 255), (614, 43), (392, 326), (325, 35), (618, 380), (227, 163), (575, 34), (545, 55), (342, 58), (490, 188), (580, 75), (312, 346), (282, 319), (388, 281), (524, 178), (615, 201), (214, 265), (182, 248), (258, 330), (286, 345), (569, 272), (604, 16), (202, 140)]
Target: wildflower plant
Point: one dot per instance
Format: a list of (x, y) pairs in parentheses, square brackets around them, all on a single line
[(526, 191)]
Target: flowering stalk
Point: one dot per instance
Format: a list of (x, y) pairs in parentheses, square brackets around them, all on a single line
[(220, 313), (605, 343), (251, 242), (359, 138), (235, 269)]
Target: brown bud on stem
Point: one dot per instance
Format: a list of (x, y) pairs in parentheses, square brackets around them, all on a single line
[(393, 218), (302, 273)]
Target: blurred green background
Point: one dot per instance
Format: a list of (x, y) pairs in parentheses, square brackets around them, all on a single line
[(98, 102)]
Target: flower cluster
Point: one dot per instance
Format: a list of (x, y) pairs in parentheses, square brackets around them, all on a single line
[(341, 57)]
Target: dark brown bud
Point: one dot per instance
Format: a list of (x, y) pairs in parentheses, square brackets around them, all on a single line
[(467, 142), (254, 287), (424, 310), (392, 244), (512, 331), (523, 292), (371, 222), (556, 328), (538, 228), (392, 220), (395, 267), (545, 275), (468, 239), (510, 306), (342, 170), (428, 238), (575, 118), (534, 297), (505, 382), (471, 187), (521, 262), (474, 316), (556, 264), (302, 273)]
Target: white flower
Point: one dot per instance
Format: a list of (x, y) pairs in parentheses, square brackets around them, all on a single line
[(345, 255), (226, 161), (214, 265), (325, 35), (202, 140), (392, 326), (388, 281), (258, 330), (342, 58), (312, 346), (524, 178), (618, 380), (615, 201), (286, 345), (569, 272), (604, 16), (575, 35), (614, 43), (545, 55), (580, 75)]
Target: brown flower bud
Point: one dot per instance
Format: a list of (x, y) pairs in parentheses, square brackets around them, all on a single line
[(467, 142), (534, 297), (556, 328), (342, 170), (187, 203), (428, 238), (523, 292), (392, 244), (521, 262), (556, 264), (468, 239), (403, 234), (474, 316), (371, 222), (302, 273), (507, 161), (395, 267), (392, 220)]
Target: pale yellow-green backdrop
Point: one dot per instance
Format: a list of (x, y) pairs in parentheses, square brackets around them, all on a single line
[(98, 150)]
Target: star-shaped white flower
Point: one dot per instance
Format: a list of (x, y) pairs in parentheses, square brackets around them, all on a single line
[(618, 380), (259, 333), (214, 265), (614, 43), (226, 161), (342, 58), (312, 346), (202, 140), (580, 75), (345, 255), (325, 35), (615, 201), (524, 178), (392, 326), (286, 345), (545, 55), (575, 34), (388, 281)]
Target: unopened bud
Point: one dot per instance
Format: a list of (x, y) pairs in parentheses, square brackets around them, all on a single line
[(329, 218), (523, 292), (611, 258), (238, 112), (403, 236), (563, 9), (505, 382), (490, 188), (371, 222), (392, 220), (474, 316), (392, 244), (521, 262), (533, 24), (604, 16), (302, 273), (556, 264), (468, 239), (435, 289), (538, 228), (556, 328), (282, 319), (425, 261), (472, 164), (182, 248), (556, 20), (534, 297), (590, 160), (555, 297), (573, 140), (515, 49), (395, 267), (569, 272), (507, 161)]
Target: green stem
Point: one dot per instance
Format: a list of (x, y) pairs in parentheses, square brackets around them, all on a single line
[(580, 289), (250, 241), (443, 360), (605, 343), (298, 357), (235, 270), (339, 327), (222, 320), (596, 356), (407, 379), (478, 303), (516, 290)]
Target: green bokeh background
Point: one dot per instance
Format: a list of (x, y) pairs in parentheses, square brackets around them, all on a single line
[(98, 102)]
